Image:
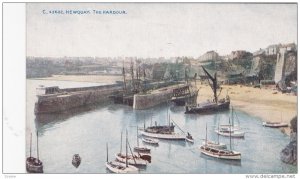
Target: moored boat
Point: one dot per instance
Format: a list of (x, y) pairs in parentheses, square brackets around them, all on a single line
[(138, 148), (150, 141), (132, 159), (275, 124), (118, 167), (231, 130), (219, 153), (232, 133), (76, 160), (211, 105), (34, 165), (214, 144), (170, 136), (189, 138)]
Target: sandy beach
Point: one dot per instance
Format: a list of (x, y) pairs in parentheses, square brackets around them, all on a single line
[(263, 103)]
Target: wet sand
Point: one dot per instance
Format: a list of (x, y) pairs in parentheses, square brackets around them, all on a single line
[(267, 104)]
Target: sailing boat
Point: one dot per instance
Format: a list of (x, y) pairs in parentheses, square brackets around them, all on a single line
[(230, 129), (220, 153), (164, 132), (140, 148), (118, 167), (34, 165), (213, 144), (275, 124), (209, 106), (131, 159)]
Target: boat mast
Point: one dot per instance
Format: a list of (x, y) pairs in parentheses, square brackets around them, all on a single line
[(124, 79), (132, 75), (218, 134), (121, 143), (37, 145), (144, 78), (30, 143), (232, 117), (106, 152), (126, 150), (137, 135), (206, 135), (131, 153), (230, 134), (214, 85)]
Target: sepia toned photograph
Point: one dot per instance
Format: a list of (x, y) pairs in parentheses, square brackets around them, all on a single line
[(161, 88)]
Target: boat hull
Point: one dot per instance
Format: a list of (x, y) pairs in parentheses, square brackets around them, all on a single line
[(151, 141), (235, 134), (118, 167), (142, 149), (208, 108), (136, 161), (215, 145), (173, 136), (33, 167), (275, 125), (221, 154)]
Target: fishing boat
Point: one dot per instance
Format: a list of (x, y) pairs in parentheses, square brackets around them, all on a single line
[(213, 144), (133, 159), (230, 129), (138, 148), (118, 167), (210, 105), (150, 141), (164, 132), (220, 153), (76, 160), (34, 165), (275, 124)]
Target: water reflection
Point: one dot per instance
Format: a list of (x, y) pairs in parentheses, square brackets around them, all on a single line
[(45, 121), (223, 161)]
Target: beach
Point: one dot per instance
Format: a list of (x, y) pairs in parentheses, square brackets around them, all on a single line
[(267, 104)]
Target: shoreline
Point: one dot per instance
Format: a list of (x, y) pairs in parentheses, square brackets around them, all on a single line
[(266, 104)]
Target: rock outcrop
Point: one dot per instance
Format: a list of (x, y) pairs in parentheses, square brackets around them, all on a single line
[(289, 153)]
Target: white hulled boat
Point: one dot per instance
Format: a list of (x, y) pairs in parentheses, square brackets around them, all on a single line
[(230, 129), (219, 153), (118, 167), (150, 141), (133, 159), (213, 144)]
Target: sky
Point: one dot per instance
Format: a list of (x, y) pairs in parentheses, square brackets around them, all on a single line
[(156, 29)]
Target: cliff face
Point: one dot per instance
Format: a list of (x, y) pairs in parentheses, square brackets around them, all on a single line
[(289, 153)]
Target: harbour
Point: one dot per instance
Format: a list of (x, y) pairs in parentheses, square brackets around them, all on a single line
[(86, 130)]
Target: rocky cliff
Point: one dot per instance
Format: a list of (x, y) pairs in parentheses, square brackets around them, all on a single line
[(289, 153)]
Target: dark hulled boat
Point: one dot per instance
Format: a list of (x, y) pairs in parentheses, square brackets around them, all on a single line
[(210, 105), (76, 160), (34, 165)]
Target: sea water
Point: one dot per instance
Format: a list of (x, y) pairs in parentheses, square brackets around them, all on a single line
[(86, 130)]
